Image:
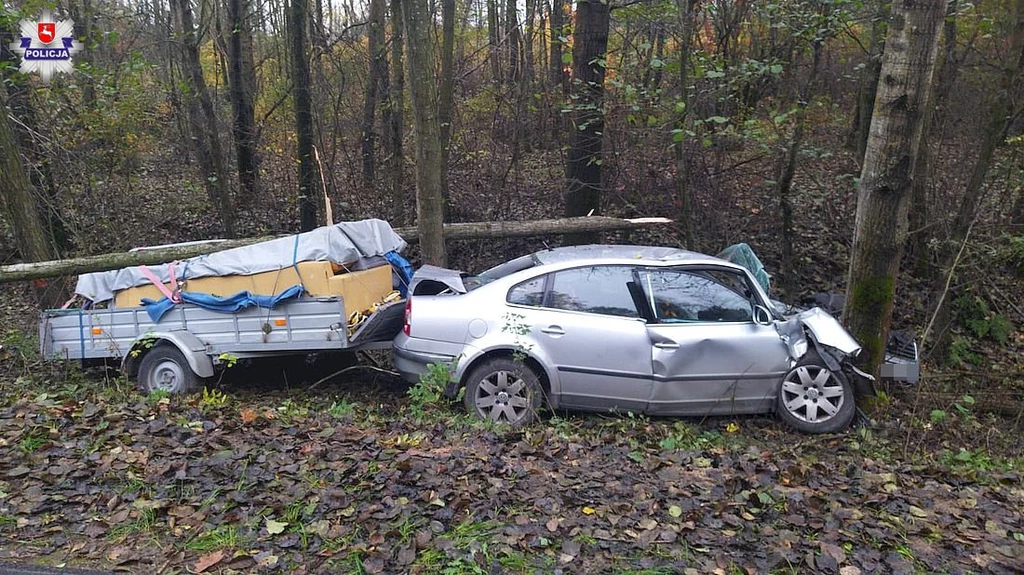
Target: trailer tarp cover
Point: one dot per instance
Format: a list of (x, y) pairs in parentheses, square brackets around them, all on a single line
[(341, 243)]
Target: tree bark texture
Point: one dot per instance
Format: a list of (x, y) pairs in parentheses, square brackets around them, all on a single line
[(203, 117), (869, 76), (583, 165), (374, 86), (446, 103), (880, 229), (242, 78), (514, 40), (21, 208), (308, 195), (494, 40), (419, 19), (458, 231), (397, 127)]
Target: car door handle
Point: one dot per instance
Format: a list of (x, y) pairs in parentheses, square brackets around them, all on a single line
[(666, 345), (553, 330)]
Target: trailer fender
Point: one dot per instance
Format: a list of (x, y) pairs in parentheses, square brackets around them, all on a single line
[(189, 345)]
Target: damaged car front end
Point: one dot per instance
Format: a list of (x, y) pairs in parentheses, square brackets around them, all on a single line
[(816, 329)]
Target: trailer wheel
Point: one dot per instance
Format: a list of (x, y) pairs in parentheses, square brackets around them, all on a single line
[(165, 368)]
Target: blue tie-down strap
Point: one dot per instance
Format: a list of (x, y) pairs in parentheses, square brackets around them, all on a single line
[(230, 304), (404, 270)]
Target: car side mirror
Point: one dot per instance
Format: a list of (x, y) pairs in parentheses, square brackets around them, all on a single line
[(762, 316)]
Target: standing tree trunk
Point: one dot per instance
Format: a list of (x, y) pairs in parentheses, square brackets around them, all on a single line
[(919, 238), (494, 40), (429, 155), (784, 179), (19, 203), (559, 85), (687, 13), (1004, 109), (514, 38), (447, 96), (583, 165), (880, 230), (869, 77), (528, 40), (397, 127), (298, 17), (37, 160), (559, 81), (374, 85), (242, 78), (202, 117)]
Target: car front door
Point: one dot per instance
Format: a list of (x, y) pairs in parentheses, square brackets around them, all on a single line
[(587, 326), (709, 356)]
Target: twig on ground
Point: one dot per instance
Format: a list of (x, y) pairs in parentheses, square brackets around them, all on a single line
[(352, 368)]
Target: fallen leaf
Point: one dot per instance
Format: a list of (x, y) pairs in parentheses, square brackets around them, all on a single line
[(248, 415), (552, 525), (675, 511), (208, 560), (917, 511), (588, 511), (275, 527)]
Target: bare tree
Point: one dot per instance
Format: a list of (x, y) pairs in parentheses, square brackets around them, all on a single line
[(374, 87), (397, 106), (879, 12), (494, 40), (242, 78), (202, 117), (418, 19), (883, 195), (298, 16), (1006, 107), (33, 238), (583, 164)]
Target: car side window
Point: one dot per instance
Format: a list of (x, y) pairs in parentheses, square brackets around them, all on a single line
[(595, 289), (530, 292), (678, 296)]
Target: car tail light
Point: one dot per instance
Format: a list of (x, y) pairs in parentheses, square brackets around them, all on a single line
[(407, 328)]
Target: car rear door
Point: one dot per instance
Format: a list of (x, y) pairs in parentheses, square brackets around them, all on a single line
[(588, 327), (708, 355)]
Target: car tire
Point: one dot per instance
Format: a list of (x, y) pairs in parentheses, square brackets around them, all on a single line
[(503, 390), (814, 399), (165, 368)]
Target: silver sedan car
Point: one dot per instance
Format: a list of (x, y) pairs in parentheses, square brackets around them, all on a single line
[(652, 330)]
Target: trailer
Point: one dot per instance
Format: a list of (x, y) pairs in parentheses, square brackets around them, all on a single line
[(329, 290), (190, 343)]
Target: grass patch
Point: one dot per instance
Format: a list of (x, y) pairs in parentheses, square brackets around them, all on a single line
[(142, 524), (220, 537)]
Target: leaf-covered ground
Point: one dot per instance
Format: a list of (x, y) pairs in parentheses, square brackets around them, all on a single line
[(345, 479)]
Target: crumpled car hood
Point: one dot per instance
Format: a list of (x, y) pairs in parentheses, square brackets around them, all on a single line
[(828, 331), (450, 277)]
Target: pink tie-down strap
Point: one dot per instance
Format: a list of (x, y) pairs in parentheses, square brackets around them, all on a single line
[(172, 294)]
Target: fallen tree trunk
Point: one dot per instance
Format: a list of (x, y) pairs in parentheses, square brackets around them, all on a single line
[(163, 254)]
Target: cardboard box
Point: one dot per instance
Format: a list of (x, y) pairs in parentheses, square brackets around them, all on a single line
[(359, 289)]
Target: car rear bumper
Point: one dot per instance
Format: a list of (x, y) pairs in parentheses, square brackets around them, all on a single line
[(412, 356)]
